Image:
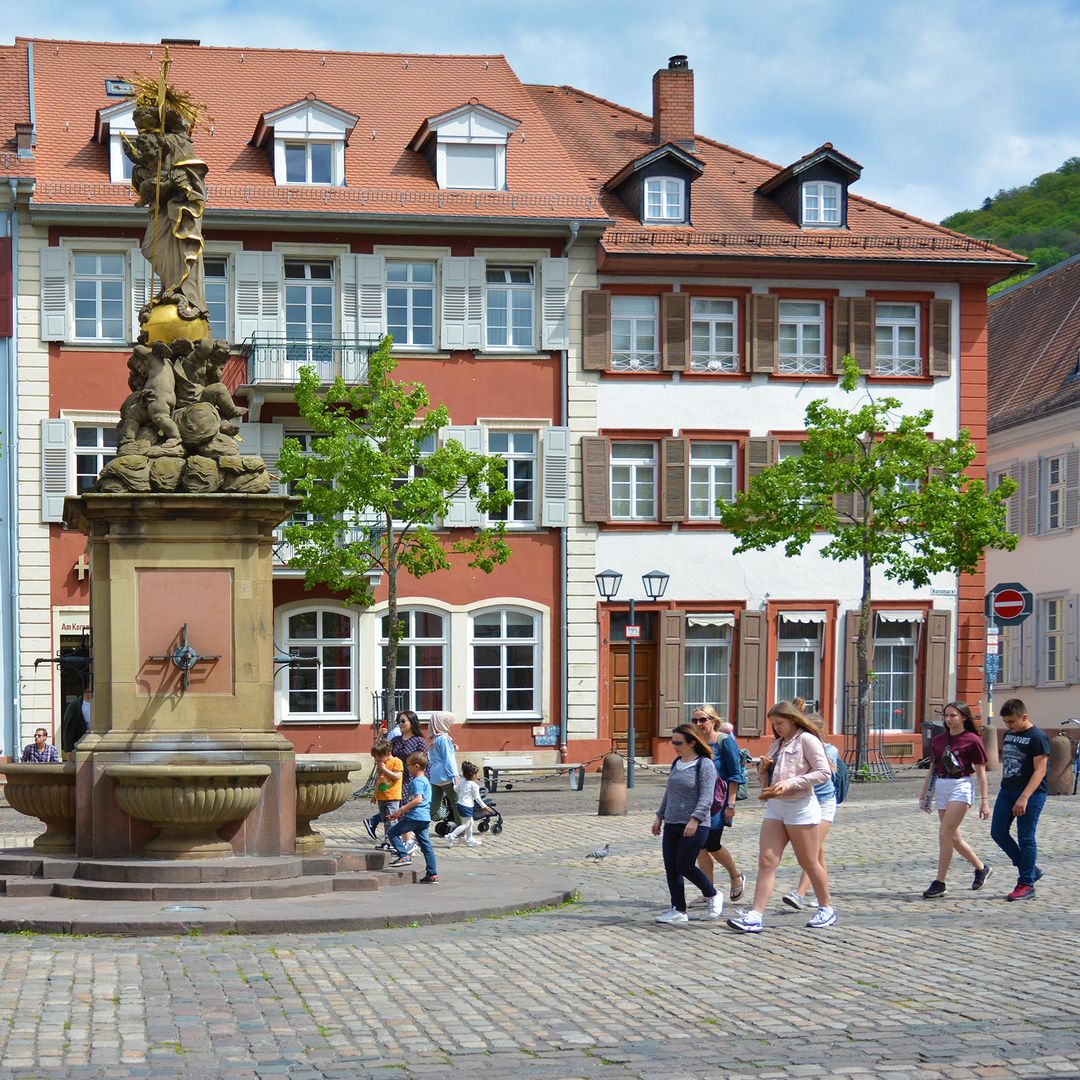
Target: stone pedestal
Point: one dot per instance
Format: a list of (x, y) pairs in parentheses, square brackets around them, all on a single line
[(162, 567)]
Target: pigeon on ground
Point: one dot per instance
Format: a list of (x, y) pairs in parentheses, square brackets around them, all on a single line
[(600, 853)]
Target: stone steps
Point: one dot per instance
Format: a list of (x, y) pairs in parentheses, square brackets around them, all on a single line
[(26, 874)]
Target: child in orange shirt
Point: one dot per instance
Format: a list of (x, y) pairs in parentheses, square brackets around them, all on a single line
[(387, 797)]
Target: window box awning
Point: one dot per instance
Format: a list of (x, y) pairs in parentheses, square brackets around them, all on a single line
[(724, 619), (900, 616), (810, 618)]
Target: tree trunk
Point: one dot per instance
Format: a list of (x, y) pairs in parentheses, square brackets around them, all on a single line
[(393, 631), (862, 652)]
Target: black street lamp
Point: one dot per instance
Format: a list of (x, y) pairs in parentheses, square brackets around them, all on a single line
[(607, 584)]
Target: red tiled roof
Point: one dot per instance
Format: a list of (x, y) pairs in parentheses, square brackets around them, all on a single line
[(14, 109), (729, 217), (1034, 344), (392, 95)]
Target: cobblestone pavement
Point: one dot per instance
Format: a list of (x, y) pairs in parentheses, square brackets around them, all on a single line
[(966, 986)]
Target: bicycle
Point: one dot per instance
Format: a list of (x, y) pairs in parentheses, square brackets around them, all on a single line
[(1075, 752)]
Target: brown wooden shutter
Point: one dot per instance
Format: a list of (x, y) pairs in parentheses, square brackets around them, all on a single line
[(863, 333), (763, 315), (596, 332), (759, 454), (675, 470), (936, 668), (753, 672), (595, 478), (1031, 498), (841, 332), (849, 695), (940, 337), (672, 634), (675, 314)]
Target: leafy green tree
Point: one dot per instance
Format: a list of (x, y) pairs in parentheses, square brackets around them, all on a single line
[(372, 495), (885, 494)]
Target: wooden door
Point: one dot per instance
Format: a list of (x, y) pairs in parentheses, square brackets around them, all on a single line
[(645, 696)]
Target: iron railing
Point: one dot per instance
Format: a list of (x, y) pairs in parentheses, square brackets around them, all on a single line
[(277, 361), (869, 760)]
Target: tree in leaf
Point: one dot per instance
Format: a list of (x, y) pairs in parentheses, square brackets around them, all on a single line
[(881, 492), (375, 484)]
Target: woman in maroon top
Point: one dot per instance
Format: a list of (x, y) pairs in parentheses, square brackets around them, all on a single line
[(956, 754)]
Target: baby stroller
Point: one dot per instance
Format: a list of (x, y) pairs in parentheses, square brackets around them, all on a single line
[(444, 823)]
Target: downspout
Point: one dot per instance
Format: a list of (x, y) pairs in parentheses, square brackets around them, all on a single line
[(12, 658), (564, 548), (30, 95)]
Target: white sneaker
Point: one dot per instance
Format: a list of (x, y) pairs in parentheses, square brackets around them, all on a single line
[(824, 916), (451, 841), (793, 900), (716, 905), (412, 846), (748, 923), (474, 842), (673, 916)]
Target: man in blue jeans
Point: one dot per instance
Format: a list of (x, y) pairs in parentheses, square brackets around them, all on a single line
[(1024, 757)]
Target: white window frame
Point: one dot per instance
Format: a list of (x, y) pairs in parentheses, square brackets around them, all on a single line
[(283, 678), (74, 252), (1052, 482), (503, 642), (812, 200), (1053, 639), (308, 122), (512, 458), (99, 450), (410, 288), (888, 635), (806, 643), (703, 474), (716, 646), (77, 418), (671, 192), (303, 352), (711, 359), (888, 357), (802, 361), (305, 146), (410, 643), (639, 469), (512, 289), (636, 358), (436, 441), (228, 279)]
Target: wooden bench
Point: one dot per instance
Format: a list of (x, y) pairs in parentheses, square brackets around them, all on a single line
[(493, 770)]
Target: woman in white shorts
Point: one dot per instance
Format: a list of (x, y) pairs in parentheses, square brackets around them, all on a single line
[(825, 794), (956, 755), (796, 762)]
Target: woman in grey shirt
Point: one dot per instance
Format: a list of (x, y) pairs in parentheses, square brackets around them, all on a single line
[(684, 816)]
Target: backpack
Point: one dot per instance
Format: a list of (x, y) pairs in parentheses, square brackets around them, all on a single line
[(745, 758), (841, 779)]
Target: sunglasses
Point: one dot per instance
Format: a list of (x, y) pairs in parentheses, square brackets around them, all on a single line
[(701, 719)]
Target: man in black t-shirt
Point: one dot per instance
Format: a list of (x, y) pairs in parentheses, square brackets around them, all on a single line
[(1024, 757)]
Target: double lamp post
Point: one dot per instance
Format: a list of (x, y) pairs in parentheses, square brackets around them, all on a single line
[(607, 584)]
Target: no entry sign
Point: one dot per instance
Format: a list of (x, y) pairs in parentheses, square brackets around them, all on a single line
[(1008, 604)]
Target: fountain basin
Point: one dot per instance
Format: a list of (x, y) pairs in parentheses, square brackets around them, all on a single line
[(188, 804), (321, 787), (46, 792)]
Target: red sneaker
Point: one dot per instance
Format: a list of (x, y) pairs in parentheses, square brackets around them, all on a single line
[(1022, 892)]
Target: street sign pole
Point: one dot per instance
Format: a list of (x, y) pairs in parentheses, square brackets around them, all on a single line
[(630, 733)]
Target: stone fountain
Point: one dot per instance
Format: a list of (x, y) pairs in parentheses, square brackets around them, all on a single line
[(182, 760)]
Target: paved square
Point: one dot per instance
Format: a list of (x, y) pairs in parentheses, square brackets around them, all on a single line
[(967, 986)]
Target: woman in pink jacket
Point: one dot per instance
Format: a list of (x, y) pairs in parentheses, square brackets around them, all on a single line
[(796, 762)]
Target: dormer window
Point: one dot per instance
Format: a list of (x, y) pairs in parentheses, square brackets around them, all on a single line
[(665, 199), (113, 124), (306, 142), (466, 147), (821, 204)]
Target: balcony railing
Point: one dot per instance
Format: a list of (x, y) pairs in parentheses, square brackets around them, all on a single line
[(277, 361)]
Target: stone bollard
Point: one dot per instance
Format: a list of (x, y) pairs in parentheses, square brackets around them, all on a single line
[(1059, 769), (991, 745), (612, 787)]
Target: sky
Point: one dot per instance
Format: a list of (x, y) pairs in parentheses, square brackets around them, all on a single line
[(943, 102)]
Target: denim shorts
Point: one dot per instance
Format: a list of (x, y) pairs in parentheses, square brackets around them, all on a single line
[(464, 811)]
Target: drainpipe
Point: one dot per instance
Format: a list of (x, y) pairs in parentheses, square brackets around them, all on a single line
[(564, 553), (11, 659)]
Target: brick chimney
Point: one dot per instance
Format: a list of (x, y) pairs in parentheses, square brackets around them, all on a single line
[(673, 103)]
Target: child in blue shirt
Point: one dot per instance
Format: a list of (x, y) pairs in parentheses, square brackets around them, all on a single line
[(415, 816)]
